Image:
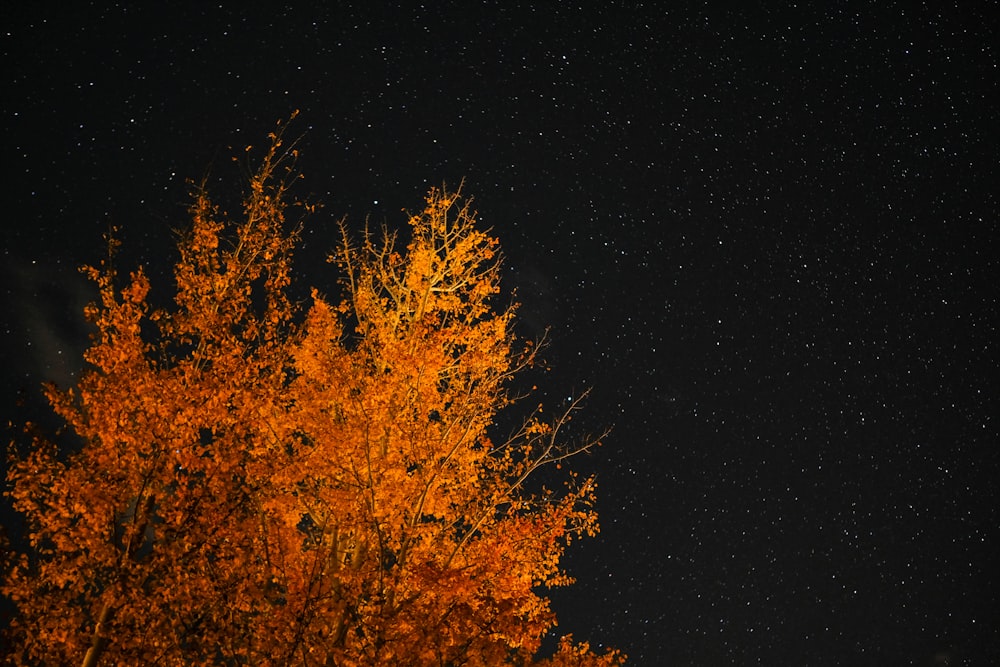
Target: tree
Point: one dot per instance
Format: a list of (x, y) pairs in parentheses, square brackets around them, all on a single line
[(266, 482)]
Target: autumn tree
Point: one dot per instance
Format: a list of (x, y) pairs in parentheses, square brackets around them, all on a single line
[(266, 482)]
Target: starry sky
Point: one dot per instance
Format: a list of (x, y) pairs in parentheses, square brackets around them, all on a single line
[(766, 237)]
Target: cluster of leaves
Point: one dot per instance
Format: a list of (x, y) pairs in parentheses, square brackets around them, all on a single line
[(267, 483)]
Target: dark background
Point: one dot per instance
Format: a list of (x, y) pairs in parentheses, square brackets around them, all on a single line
[(767, 238)]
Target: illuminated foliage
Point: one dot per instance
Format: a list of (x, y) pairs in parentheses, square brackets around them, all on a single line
[(272, 484)]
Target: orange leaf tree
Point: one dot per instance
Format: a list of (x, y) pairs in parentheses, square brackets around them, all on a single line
[(261, 482)]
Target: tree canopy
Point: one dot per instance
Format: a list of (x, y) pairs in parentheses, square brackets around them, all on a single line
[(262, 481)]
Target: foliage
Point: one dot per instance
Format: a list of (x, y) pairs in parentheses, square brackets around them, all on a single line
[(263, 482)]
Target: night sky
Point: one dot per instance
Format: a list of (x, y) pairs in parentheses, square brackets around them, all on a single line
[(768, 239)]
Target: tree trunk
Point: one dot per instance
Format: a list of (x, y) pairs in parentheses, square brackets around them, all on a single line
[(100, 640)]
